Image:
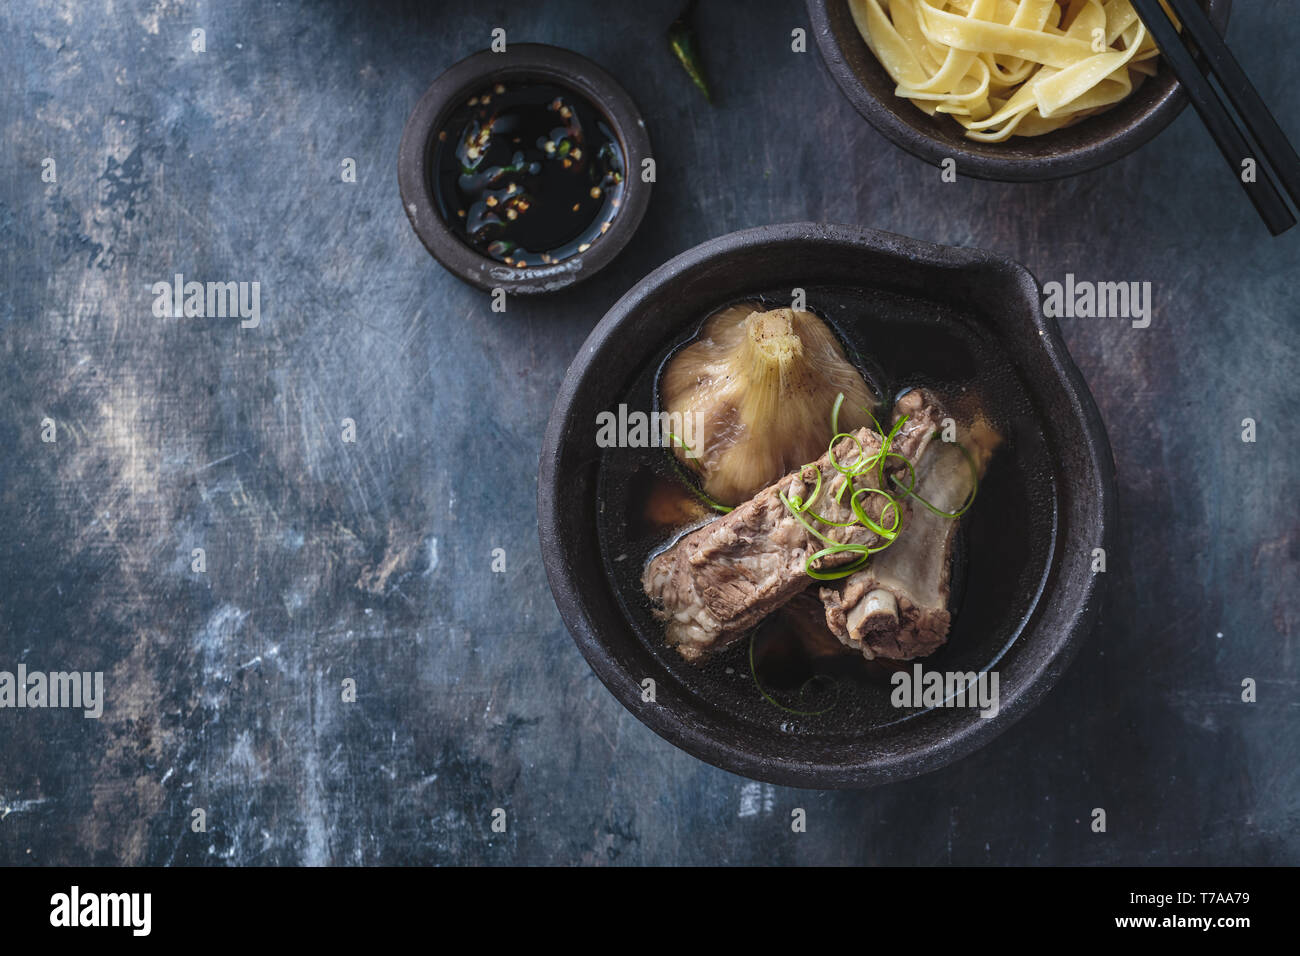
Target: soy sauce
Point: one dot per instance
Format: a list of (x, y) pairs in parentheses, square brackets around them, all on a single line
[(529, 174)]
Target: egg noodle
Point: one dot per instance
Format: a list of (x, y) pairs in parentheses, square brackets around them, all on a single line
[(1007, 68)]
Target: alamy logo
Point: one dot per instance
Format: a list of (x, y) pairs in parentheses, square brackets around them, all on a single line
[(946, 689), (211, 300), (1098, 300), (78, 689), (102, 909), (638, 429)]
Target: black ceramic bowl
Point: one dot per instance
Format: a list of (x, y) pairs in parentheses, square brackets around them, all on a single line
[(1024, 595), (520, 61), (1086, 145)]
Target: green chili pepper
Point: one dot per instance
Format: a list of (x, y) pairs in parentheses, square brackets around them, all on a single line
[(681, 38)]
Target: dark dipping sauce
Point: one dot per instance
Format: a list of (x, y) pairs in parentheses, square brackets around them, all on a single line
[(1001, 552), (529, 174)]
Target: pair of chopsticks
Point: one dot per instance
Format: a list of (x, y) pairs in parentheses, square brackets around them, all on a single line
[(1269, 147)]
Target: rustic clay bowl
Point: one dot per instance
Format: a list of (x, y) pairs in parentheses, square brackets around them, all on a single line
[(1091, 143), (1023, 618), (520, 61)]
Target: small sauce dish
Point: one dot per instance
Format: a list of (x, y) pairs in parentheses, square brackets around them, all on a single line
[(522, 170)]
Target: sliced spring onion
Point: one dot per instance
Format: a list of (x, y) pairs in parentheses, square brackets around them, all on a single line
[(843, 571), (753, 670), (826, 521), (690, 481), (861, 459), (863, 464), (796, 503), (798, 516), (832, 546), (889, 534), (835, 414), (681, 442), (970, 499), (886, 444)]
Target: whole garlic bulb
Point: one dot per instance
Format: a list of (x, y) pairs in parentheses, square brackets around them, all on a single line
[(763, 384)]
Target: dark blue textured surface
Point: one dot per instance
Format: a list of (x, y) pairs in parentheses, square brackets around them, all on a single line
[(372, 560)]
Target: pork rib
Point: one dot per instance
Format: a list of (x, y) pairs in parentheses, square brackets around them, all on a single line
[(897, 608), (718, 581)]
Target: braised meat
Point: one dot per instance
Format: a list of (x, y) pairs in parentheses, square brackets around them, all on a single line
[(897, 608), (717, 582)]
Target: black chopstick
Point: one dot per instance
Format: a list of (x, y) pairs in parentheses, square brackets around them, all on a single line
[(1232, 144), (1245, 99)]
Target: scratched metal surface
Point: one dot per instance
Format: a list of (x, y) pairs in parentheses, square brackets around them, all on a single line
[(372, 560)]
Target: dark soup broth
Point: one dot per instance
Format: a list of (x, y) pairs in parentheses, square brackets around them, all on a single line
[(784, 675)]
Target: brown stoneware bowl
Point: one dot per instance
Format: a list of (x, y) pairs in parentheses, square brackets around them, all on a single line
[(1086, 145), (520, 61), (1024, 594)]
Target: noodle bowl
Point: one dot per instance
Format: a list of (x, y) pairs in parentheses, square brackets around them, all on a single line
[(1003, 68)]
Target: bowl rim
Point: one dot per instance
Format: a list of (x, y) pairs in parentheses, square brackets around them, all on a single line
[(978, 160), (565, 68), (685, 733)]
